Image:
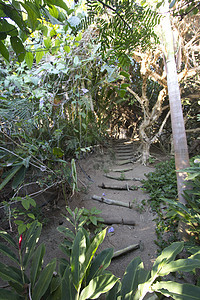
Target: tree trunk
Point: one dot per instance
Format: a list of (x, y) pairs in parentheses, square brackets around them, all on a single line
[(178, 127)]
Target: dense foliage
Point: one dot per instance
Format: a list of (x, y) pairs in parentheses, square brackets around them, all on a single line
[(66, 87), (84, 276)]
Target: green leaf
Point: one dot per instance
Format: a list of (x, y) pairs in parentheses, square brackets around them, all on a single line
[(55, 283), (30, 243), (122, 93), (51, 19), (130, 280), (19, 177), (112, 294), (37, 263), (54, 12), (91, 250), (9, 239), (98, 286), (31, 216), (5, 295), (15, 16), (25, 203), (59, 3), (4, 51), (67, 49), (47, 42), (65, 250), (8, 28), (124, 85), (10, 176), (177, 290), (100, 263), (8, 252), (67, 286), (66, 231), (31, 201), (44, 280), (58, 152), (32, 16), (18, 47), (3, 35), (167, 255), (8, 274), (21, 228), (77, 259), (39, 55), (125, 74), (93, 219), (29, 59), (183, 265)]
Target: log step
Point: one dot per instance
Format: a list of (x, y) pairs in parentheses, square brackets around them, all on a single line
[(111, 202)]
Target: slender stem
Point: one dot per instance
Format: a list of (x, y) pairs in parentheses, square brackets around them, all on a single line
[(64, 194), (21, 265)]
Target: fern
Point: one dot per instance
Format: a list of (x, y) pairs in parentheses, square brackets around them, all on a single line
[(123, 25)]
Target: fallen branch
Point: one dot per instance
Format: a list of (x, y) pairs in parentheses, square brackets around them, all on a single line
[(111, 221), (111, 202), (122, 178), (121, 170), (121, 188), (126, 250)]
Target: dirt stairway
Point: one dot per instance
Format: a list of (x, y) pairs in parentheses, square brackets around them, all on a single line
[(131, 224)]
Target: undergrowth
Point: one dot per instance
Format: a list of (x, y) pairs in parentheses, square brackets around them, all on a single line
[(162, 184), (162, 188)]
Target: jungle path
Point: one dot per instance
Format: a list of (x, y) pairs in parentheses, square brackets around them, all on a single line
[(114, 174)]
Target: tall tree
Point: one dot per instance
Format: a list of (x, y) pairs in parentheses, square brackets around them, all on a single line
[(178, 127)]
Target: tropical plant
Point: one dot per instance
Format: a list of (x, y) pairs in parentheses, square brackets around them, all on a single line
[(22, 214), (190, 212), (27, 278), (25, 18), (82, 277), (161, 184), (138, 282)]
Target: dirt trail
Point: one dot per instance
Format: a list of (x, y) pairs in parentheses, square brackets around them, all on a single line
[(91, 172)]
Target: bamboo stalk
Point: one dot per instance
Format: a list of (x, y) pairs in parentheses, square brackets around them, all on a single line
[(115, 187), (111, 221), (122, 178), (111, 202), (125, 250), (121, 170)]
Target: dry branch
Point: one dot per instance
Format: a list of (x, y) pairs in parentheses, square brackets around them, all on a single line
[(117, 187), (111, 202), (111, 221), (126, 250), (121, 170), (122, 178)]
